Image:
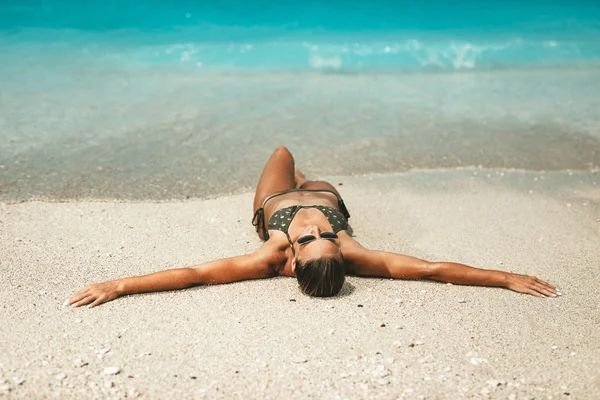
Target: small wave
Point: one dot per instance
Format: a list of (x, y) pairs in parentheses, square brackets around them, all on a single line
[(366, 53), (318, 62)]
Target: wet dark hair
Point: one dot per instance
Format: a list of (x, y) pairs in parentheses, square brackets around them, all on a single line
[(321, 277)]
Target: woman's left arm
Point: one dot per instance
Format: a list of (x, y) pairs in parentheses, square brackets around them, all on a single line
[(464, 275), (366, 262)]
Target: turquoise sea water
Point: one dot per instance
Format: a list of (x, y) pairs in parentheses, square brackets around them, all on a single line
[(304, 34), (161, 99)]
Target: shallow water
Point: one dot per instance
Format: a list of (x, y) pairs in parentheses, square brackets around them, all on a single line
[(174, 99)]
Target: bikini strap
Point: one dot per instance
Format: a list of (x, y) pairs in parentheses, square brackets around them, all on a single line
[(259, 216), (343, 208)]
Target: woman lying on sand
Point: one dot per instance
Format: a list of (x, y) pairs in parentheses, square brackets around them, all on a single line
[(305, 228)]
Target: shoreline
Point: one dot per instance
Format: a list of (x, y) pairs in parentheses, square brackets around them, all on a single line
[(152, 135), (586, 177)]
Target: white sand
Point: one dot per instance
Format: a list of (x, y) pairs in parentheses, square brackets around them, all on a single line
[(248, 340)]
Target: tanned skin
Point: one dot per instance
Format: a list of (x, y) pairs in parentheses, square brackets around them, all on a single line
[(275, 257)]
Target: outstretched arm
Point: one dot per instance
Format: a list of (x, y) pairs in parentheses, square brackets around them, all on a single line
[(251, 266), (390, 265)]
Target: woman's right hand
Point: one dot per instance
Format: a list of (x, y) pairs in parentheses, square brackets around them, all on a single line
[(94, 294), (530, 285)]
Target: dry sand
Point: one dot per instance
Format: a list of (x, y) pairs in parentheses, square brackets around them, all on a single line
[(264, 339)]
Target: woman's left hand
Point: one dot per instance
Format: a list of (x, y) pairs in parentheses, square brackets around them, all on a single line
[(94, 294), (530, 285)]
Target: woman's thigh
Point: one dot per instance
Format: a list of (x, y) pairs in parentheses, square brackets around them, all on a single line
[(277, 176)]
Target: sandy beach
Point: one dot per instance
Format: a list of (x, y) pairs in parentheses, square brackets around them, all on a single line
[(381, 339)]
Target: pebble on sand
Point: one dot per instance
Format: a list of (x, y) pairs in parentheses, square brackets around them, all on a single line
[(299, 359), (478, 360), (101, 352), (111, 370), (462, 300), (79, 363), (380, 372)]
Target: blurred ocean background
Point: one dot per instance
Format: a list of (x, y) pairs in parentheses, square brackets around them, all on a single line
[(174, 99)]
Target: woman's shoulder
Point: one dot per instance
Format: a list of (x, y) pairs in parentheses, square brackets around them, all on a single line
[(354, 253), (274, 252)]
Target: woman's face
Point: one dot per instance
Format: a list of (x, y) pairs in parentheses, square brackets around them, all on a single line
[(316, 248)]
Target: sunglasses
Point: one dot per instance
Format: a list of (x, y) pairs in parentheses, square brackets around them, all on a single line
[(309, 238)]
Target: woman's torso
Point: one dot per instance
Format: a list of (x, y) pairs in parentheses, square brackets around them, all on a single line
[(303, 217)]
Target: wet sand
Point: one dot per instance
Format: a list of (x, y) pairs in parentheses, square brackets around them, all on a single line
[(381, 338), (152, 134)]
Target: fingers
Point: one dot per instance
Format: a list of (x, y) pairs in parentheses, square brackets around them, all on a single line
[(96, 302), (84, 301), (539, 290), (76, 297), (532, 285), (533, 293), (549, 287)]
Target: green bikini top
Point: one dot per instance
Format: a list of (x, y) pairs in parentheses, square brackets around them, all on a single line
[(282, 218)]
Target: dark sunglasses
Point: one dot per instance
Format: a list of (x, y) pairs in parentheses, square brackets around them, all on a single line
[(309, 238)]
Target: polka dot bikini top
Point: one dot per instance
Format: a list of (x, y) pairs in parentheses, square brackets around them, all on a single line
[(281, 219)]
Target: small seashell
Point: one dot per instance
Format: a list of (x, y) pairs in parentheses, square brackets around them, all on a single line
[(299, 359), (380, 372), (330, 332), (478, 360), (111, 370), (79, 363), (462, 300), (60, 377)]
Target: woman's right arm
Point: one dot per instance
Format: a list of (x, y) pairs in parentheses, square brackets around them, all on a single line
[(256, 265)]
